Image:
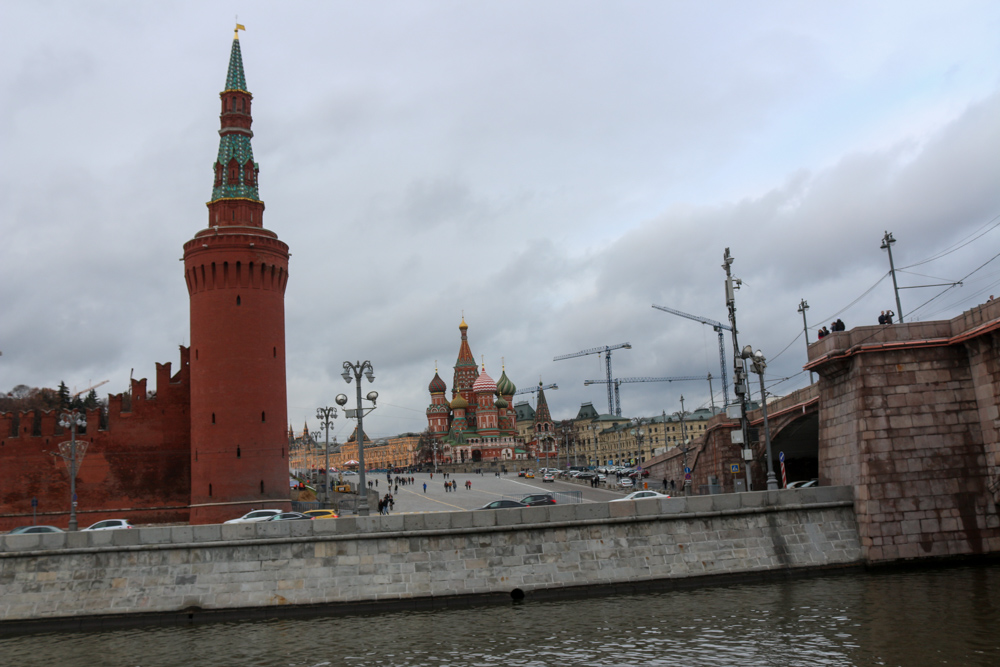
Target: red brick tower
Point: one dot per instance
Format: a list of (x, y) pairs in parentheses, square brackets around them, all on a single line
[(236, 273)]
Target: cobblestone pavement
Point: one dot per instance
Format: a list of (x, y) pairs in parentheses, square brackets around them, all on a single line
[(485, 488)]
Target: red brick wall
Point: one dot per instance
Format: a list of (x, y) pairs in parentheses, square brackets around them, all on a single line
[(137, 468)]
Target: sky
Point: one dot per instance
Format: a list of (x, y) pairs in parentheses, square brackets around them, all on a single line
[(546, 170)]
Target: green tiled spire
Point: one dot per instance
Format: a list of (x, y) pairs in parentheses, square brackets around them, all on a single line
[(238, 146), (234, 142), (235, 80)]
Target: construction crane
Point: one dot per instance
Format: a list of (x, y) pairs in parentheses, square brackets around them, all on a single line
[(532, 390), (94, 386), (719, 328), (679, 378), (607, 362)]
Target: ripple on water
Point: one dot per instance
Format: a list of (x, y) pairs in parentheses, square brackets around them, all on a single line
[(914, 618)]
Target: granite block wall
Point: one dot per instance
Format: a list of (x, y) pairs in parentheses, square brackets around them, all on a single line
[(406, 557)]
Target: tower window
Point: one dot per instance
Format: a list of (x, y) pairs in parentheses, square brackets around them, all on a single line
[(237, 451), (262, 487), (263, 417), (209, 490), (213, 417), (237, 300), (275, 352)]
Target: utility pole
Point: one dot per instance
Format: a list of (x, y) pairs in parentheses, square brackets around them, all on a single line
[(739, 367), (803, 307), (687, 482), (887, 242)]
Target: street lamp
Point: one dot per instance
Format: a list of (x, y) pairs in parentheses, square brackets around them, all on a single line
[(638, 432), (758, 364), (326, 417), (71, 420), (355, 371), (684, 441)]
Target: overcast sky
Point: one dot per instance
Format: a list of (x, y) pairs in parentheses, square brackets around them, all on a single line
[(551, 169)]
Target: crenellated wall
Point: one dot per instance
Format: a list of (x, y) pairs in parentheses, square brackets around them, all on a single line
[(137, 466)]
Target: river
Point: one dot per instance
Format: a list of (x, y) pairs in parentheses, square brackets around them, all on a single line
[(916, 617)]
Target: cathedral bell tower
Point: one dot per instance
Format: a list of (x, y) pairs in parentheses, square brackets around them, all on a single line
[(236, 271)]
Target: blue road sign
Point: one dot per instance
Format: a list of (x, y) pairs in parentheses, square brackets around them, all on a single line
[(687, 470), (781, 456)]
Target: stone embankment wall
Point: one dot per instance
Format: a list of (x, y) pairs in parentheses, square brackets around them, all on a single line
[(261, 568), (908, 416)]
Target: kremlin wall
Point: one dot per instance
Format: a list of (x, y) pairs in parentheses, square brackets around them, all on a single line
[(211, 445)]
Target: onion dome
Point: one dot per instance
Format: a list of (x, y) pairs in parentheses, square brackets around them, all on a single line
[(463, 326), (437, 385), (504, 386), (501, 403), (459, 402), (484, 384)]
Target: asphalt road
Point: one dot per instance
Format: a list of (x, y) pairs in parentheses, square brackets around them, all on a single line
[(485, 488)]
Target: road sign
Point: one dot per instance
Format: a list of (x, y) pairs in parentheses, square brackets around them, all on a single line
[(781, 456), (687, 476), (734, 468), (687, 470)]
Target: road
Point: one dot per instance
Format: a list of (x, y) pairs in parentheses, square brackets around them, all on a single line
[(485, 488)]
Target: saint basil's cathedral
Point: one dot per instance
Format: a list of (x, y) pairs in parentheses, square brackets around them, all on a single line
[(478, 423)]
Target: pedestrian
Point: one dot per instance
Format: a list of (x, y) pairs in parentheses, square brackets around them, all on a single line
[(881, 317), (888, 316), (664, 483), (425, 487), (381, 506), (392, 503), (396, 490), (468, 485)]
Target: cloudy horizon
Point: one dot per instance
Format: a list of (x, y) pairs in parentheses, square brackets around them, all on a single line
[(549, 171)]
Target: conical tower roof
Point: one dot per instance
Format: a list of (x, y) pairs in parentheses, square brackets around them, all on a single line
[(542, 409), (235, 134)]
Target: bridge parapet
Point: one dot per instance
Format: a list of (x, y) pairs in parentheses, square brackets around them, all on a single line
[(908, 415)]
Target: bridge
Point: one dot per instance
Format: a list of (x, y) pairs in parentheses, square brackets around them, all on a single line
[(905, 414)]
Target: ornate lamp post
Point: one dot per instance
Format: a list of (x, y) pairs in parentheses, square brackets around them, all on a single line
[(354, 372), (72, 420), (684, 442), (638, 432), (326, 417), (758, 364)]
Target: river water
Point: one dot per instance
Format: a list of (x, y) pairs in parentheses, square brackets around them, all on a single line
[(948, 616)]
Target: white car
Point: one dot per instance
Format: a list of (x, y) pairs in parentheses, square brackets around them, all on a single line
[(626, 482), (255, 516), (636, 495), (110, 524)]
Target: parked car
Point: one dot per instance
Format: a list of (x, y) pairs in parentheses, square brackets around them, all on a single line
[(538, 499), (502, 505), (802, 484), (626, 482), (289, 516), (521, 473), (322, 514), (636, 495), (110, 524), (24, 530), (254, 516), (529, 475), (548, 477)]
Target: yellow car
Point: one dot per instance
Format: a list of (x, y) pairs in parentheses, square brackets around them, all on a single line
[(322, 514), (529, 475)]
